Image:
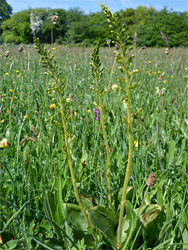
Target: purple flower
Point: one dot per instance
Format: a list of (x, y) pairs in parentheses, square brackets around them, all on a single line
[(97, 112), (170, 72)]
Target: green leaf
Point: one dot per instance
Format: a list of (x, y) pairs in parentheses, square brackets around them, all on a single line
[(160, 200), (128, 225), (87, 201), (77, 223), (151, 218), (52, 213), (105, 221), (11, 244), (171, 152)]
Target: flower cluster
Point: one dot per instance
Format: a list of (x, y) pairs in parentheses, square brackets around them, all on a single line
[(4, 143)]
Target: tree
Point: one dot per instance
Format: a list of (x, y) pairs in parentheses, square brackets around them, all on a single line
[(17, 28), (173, 24), (99, 30), (5, 13), (77, 26), (131, 18), (59, 29)]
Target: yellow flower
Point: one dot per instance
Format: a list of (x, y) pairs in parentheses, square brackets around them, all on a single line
[(78, 69), (159, 72), (165, 81), (88, 110), (7, 74), (26, 116), (136, 144), (53, 49), (11, 90), (149, 61), (172, 76), (52, 106), (2, 120), (186, 76)]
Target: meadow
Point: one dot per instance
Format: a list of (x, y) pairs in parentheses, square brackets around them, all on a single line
[(35, 149)]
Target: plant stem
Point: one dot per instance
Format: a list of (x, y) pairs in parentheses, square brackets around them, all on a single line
[(69, 157), (106, 142), (123, 202), (52, 34)]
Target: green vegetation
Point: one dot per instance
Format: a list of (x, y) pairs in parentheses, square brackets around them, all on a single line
[(94, 146), (76, 27)]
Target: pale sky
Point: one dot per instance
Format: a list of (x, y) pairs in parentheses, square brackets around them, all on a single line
[(93, 5)]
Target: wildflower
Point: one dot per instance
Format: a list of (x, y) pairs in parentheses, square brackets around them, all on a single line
[(68, 99), (20, 49), (151, 179), (186, 76), (54, 19), (172, 76), (52, 106), (165, 81), (11, 90), (53, 49), (97, 112), (159, 72), (2, 120), (149, 61), (170, 72), (135, 38), (7, 53), (88, 111), (7, 74), (160, 92), (160, 77), (115, 86), (26, 116), (136, 144), (108, 41), (4, 143), (167, 51)]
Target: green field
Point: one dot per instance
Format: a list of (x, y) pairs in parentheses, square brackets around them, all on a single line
[(30, 120)]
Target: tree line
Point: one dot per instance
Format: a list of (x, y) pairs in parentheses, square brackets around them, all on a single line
[(75, 27)]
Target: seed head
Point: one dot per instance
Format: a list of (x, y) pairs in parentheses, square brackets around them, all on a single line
[(150, 180), (117, 46), (20, 49)]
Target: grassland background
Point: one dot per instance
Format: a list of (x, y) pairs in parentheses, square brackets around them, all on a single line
[(34, 132)]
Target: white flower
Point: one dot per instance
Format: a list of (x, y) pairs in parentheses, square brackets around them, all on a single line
[(4, 143), (115, 86)]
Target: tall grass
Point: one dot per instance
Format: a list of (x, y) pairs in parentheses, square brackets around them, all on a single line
[(37, 148)]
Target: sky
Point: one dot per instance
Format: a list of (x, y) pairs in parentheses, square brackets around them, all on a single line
[(93, 5)]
